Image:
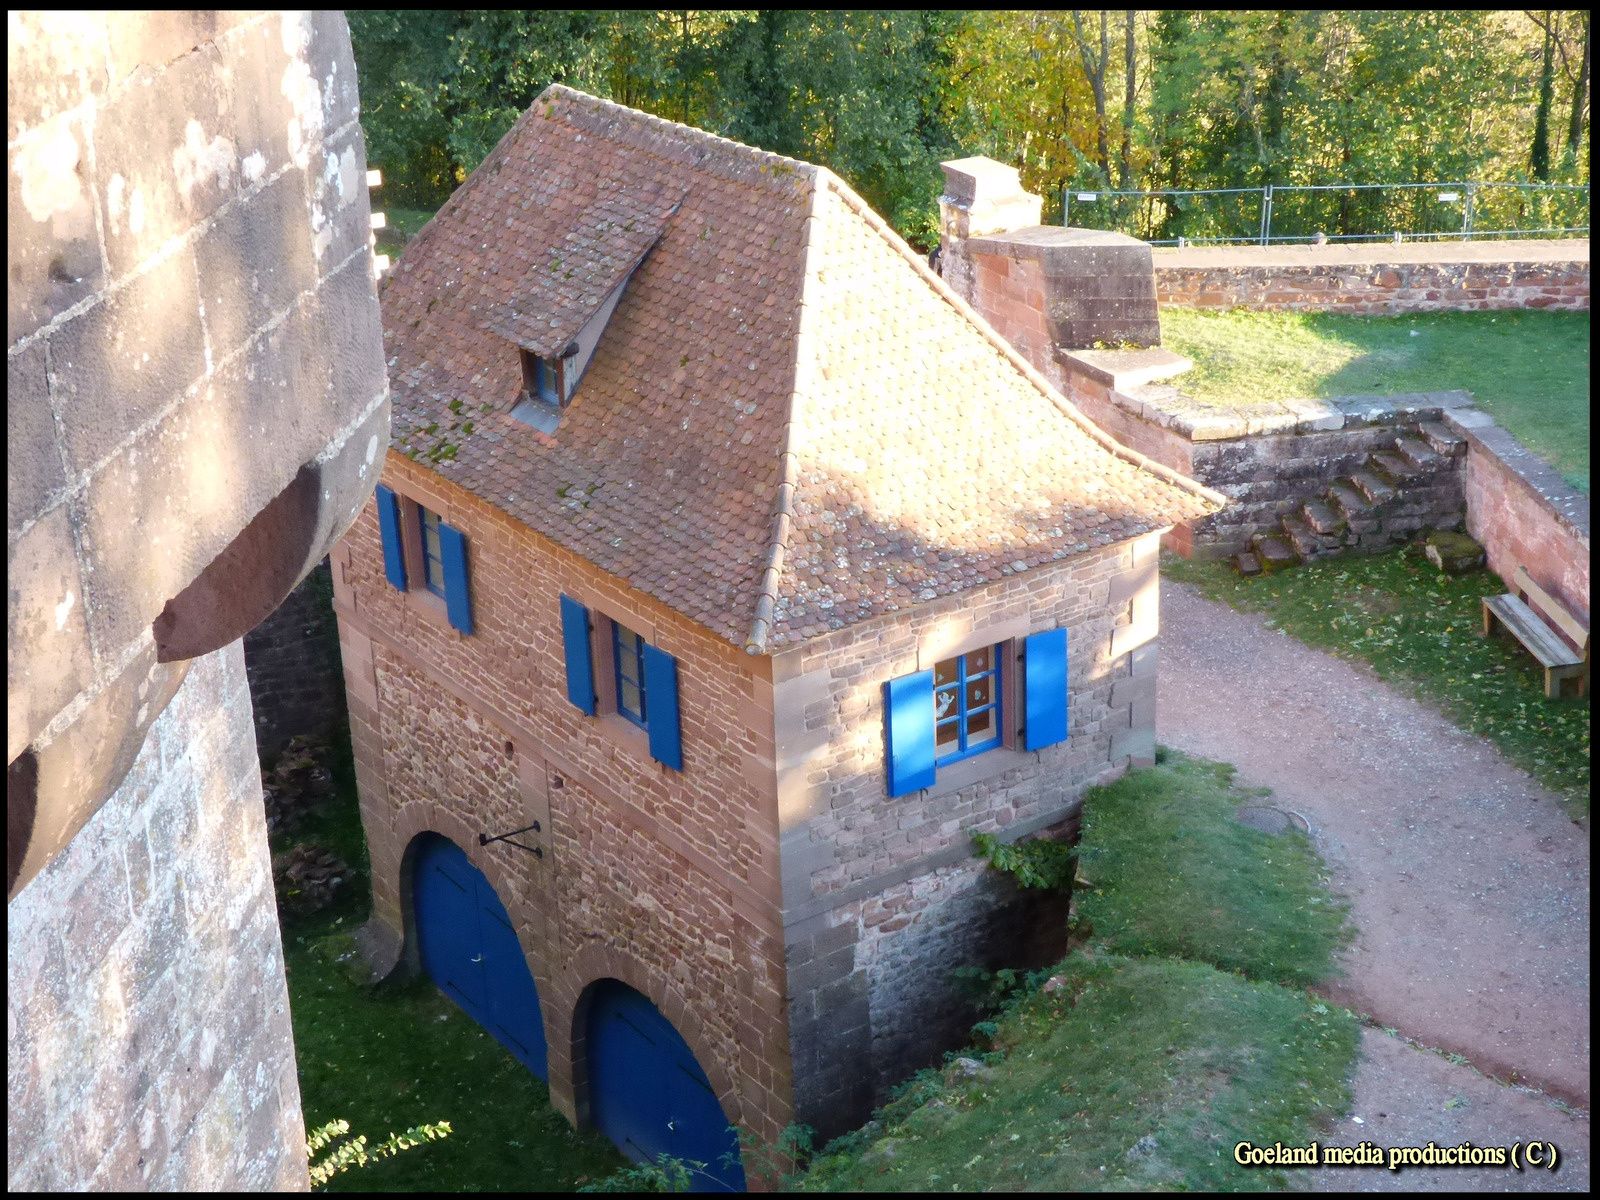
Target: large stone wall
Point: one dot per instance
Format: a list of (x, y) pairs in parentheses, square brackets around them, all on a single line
[(1378, 278), (296, 683), (665, 880), (148, 1044), (196, 402), (883, 898)]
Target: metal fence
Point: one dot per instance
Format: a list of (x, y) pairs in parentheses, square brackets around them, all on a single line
[(1335, 212)]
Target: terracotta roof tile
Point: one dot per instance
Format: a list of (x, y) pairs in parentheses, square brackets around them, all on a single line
[(789, 424)]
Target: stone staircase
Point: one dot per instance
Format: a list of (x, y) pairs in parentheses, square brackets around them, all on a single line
[(1392, 497)]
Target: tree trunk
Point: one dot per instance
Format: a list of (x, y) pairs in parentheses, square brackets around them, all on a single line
[(1130, 66), (1580, 97), (1539, 156)]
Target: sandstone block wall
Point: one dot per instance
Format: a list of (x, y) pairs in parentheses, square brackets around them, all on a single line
[(1524, 513), (296, 682), (195, 380), (883, 897), (148, 1043), (667, 881), (1378, 279)]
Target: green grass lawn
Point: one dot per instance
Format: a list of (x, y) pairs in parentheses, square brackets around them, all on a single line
[(1137, 1071), (1417, 628), (1530, 369), (1170, 873), (395, 1056), (403, 225)]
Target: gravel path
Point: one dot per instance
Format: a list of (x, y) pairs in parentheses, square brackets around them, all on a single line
[(1469, 885)]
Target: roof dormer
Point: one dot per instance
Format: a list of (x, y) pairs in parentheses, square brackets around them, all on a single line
[(565, 301)]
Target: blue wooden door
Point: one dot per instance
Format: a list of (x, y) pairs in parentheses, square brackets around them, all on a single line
[(649, 1095), (470, 950)]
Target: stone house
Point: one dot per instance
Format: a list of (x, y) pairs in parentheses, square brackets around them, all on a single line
[(726, 561)]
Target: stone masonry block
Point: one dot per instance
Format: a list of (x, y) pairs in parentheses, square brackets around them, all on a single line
[(253, 262), (165, 156), (54, 59), (1138, 742), (155, 39), (49, 660), (33, 464), (115, 365), (1143, 661), (52, 246)]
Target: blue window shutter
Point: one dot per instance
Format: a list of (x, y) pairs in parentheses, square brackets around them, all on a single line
[(580, 665), (1044, 672), (661, 707), (457, 593), (394, 563), (908, 731)]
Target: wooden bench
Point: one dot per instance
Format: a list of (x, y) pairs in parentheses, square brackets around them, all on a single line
[(1560, 661)]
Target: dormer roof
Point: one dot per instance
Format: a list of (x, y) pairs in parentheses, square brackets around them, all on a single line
[(789, 423), (563, 286)]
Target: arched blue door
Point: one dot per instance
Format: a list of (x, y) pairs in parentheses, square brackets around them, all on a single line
[(470, 950), (649, 1095)]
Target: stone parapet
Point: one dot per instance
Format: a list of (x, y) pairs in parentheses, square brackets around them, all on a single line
[(1378, 278)]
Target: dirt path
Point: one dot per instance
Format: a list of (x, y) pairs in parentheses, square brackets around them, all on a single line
[(1469, 885), (1410, 1097)]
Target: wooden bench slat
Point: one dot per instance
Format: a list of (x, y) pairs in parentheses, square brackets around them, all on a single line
[(1551, 609), (1533, 633)]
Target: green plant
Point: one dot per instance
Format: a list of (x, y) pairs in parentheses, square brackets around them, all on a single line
[(356, 1153), (1032, 862), (666, 1174)]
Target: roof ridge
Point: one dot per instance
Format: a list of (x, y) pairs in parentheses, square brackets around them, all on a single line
[(690, 133), (1010, 352), (783, 503)]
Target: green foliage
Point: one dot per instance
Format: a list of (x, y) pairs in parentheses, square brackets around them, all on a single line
[(1530, 369), (666, 1174), (1032, 862), (1217, 98), (1123, 1049), (356, 1153), (1417, 628), (1173, 873)]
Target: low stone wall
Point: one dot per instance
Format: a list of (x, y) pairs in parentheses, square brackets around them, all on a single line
[(1377, 278), (1272, 461), (296, 678), (1524, 512), (1268, 462)]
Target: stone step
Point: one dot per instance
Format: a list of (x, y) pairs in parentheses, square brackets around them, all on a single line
[(1306, 542), (1322, 518), (1442, 440), (1273, 553), (1419, 454), (1246, 563), (1375, 490), (1393, 467), (1348, 501)]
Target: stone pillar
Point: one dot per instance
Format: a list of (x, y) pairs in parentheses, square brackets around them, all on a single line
[(980, 197)]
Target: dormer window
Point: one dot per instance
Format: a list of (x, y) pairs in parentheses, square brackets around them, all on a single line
[(543, 379)]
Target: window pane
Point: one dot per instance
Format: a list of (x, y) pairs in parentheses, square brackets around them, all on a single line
[(981, 726), (631, 698), (944, 672), (948, 734), (980, 692), (435, 574), (944, 703), (979, 661)]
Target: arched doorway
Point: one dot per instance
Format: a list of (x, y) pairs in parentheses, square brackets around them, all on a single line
[(650, 1096), (470, 950)]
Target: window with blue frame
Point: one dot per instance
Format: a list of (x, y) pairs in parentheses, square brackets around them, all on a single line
[(432, 558), (627, 652), (966, 705)]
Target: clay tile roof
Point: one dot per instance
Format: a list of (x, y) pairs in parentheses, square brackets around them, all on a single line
[(789, 423)]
